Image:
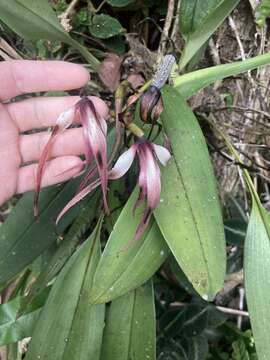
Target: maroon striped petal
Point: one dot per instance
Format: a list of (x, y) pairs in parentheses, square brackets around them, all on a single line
[(64, 120), (95, 132), (78, 197)]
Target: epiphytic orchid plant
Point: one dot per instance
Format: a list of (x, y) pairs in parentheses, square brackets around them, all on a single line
[(186, 230), (95, 133)]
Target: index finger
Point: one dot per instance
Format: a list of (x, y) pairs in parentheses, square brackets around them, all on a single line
[(26, 76)]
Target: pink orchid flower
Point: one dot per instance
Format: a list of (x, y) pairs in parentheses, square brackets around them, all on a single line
[(95, 132), (149, 176)]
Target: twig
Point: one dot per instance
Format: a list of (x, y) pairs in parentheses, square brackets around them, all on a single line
[(220, 308), (166, 28), (233, 311), (9, 50), (234, 29), (5, 57), (175, 28), (243, 109), (241, 305)]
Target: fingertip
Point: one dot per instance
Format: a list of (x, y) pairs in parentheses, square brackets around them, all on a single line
[(76, 72), (56, 171), (65, 167)]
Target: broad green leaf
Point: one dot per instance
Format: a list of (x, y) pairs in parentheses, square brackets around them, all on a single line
[(119, 3), (188, 84), (188, 214), (257, 277), (35, 20), (124, 264), (206, 27), (130, 326), (68, 327), (23, 238), (104, 26), (13, 327), (66, 248), (193, 13)]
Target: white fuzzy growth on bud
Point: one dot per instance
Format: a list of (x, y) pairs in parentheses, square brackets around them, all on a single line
[(164, 71), (65, 119)]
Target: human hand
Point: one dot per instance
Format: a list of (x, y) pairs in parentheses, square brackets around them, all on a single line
[(19, 153)]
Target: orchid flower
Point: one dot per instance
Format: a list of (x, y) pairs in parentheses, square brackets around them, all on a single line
[(94, 131), (149, 176)]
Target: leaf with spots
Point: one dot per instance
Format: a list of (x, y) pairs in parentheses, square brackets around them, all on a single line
[(126, 264), (69, 327), (189, 216), (130, 331), (104, 26)]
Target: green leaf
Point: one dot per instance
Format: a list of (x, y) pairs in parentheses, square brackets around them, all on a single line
[(124, 264), (257, 277), (23, 238), (239, 350), (130, 326), (66, 248), (68, 327), (35, 20), (12, 328), (104, 26), (119, 3), (188, 84), (206, 26), (193, 14), (188, 214)]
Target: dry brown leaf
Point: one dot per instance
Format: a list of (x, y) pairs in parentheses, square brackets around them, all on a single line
[(109, 72)]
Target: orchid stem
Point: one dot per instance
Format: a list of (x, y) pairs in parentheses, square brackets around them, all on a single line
[(119, 99), (135, 130)]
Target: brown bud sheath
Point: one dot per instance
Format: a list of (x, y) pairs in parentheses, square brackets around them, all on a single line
[(148, 102)]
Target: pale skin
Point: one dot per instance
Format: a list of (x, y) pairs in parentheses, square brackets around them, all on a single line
[(19, 152)]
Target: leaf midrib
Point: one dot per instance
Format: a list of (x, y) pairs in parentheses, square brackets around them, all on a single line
[(193, 216)]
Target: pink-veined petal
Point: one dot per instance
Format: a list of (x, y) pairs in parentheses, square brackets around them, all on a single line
[(95, 131), (41, 167), (162, 153), (85, 181), (123, 163), (65, 119), (81, 195), (152, 179)]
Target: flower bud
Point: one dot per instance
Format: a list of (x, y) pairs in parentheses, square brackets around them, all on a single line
[(149, 102)]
